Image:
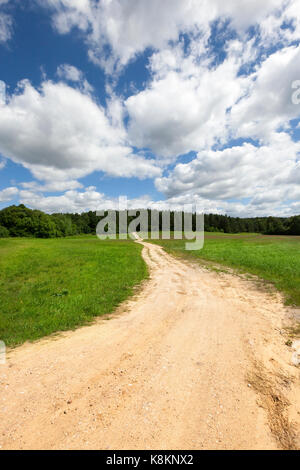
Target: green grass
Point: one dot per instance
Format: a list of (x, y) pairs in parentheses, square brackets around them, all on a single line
[(273, 258), (53, 285)]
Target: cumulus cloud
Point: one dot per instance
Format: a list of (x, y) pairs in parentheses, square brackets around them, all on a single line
[(78, 201), (127, 27), (203, 91), (8, 194), (268, 104), (69, 72), (281, 26), (61, 133), (70, 201), (91, 199), (185, 106), (263, 174), (190, 106)]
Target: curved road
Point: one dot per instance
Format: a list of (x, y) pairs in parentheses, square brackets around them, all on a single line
[(196, 360)]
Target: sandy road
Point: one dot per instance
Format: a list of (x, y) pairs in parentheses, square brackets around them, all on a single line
[(195, 361)]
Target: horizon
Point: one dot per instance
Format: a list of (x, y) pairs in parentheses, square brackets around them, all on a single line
[(173, 103), (138, 209)]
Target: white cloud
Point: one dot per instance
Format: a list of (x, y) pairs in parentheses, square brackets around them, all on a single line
[(5, 24), (75, 201), (281, 28), (69, 72), (51, 186), (268, 103), (60, 134), (190, 106), (5, 27), (128, 27), (2, 93), (264, 174), (91, 199), (192, 102), (8, 194), (185, 106)]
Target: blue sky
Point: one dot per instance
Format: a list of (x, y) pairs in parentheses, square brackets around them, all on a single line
[(168, 103)]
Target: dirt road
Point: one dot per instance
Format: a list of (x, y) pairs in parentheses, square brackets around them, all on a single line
[(196, 360)]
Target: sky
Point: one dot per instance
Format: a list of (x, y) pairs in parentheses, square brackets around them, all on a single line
[(167, 103)]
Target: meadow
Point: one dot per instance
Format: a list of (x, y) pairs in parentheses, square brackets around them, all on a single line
[(59, 284), (275, 259), (54, 285)]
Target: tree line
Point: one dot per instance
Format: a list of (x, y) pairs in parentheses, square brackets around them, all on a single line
[(20, 221)]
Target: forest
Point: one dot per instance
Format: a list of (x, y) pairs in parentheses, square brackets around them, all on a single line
[(20, 221)]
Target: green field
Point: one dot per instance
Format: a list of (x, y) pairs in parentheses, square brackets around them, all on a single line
[(59, 284), (273, 258)]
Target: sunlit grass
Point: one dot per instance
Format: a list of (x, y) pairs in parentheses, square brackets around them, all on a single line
[(59, 284), (275, 259)]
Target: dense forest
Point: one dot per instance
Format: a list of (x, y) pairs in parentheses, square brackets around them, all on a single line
[(19, 221)]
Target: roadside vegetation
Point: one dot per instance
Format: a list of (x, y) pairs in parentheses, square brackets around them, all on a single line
[(53, 285), (275, 259)]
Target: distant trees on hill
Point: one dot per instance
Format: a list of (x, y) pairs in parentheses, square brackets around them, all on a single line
[(265, 225), (19, 221), (23, 222)]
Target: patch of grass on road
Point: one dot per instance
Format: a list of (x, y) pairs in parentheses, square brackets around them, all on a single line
[(59, 284), (273, 258)]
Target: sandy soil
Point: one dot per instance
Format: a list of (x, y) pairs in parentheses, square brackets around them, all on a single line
[(197, 360)]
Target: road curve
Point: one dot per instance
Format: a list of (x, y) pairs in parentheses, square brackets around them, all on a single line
[(196, 360)]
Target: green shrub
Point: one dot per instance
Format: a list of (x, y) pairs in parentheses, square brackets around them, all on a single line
[(4, 233)]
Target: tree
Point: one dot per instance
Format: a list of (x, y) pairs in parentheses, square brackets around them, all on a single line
[(23, 222), (19, 221), (294, 228), (4, 233)]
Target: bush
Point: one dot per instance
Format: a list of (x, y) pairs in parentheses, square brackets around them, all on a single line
[(4, 233)]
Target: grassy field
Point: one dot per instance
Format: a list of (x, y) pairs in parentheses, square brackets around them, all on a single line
[(273, 258), (59, 284)]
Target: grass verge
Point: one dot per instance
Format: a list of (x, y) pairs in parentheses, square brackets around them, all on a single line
[(59, 284), (274, 259)]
